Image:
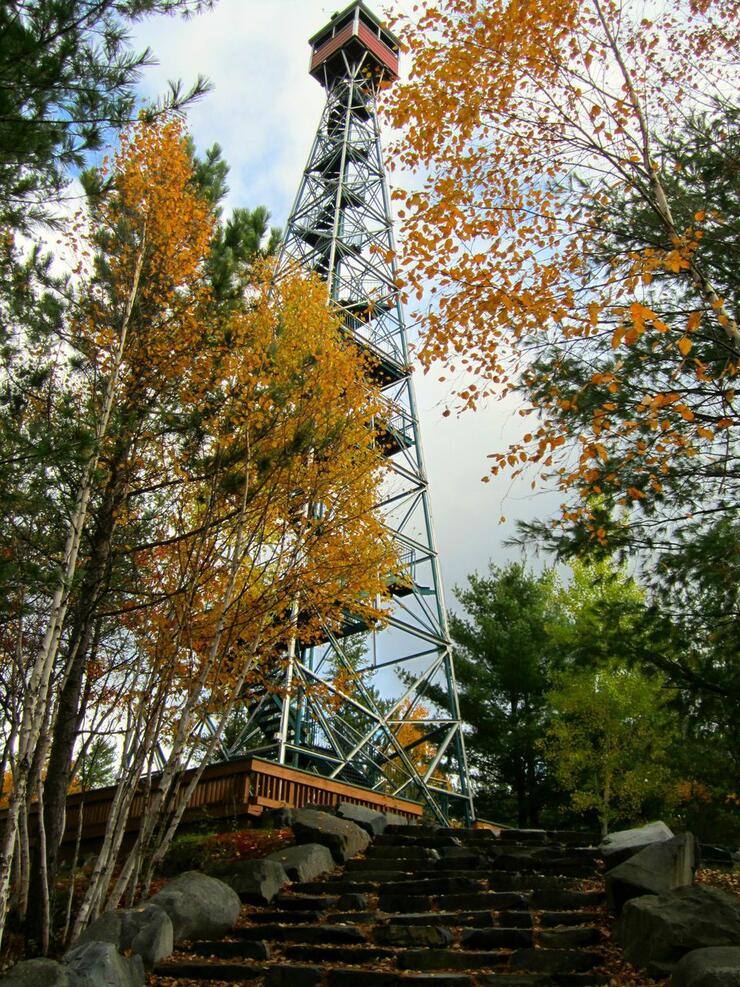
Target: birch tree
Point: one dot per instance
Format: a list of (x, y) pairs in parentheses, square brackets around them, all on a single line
[(572, 252), (167, 248)]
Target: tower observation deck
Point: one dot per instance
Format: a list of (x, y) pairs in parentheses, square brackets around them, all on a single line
[(396, 728)]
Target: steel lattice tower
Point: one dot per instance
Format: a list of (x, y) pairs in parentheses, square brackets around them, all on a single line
[(386, 731)]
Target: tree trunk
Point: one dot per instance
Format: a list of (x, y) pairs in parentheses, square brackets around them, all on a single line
[(70, 707), (520, 787), (533, 808), (73, 874), (39, 680)]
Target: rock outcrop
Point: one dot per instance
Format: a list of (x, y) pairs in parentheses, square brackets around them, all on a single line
[(145, 930), (715, 966), (658, 868), (99, 964), (624, 844), (656, 931), (198, 906), (304, 862), (342, 837)]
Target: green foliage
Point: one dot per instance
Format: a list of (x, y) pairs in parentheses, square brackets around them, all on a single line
[(68, 74), (549, 676), (609, 742), (682, 467), (699, 169), (504, 658), (240, 240), (667, 430), (602, 611), (96, 765)]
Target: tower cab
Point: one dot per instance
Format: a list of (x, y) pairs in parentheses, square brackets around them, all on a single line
[(353, 35)]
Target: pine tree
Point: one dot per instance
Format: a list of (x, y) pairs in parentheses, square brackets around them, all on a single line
[(68, 74)]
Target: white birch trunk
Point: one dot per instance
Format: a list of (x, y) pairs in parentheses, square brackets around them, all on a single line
[(40, 677)]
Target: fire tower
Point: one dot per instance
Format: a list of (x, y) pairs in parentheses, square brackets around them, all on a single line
[(397, 727)]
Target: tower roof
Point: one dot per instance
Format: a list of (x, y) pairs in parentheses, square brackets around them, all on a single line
[(358, 32), (348, 10)]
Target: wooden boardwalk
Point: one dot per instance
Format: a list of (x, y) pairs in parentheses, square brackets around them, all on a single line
[(235, 789)]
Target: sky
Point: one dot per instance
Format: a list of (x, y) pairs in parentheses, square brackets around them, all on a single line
[(263, 111)]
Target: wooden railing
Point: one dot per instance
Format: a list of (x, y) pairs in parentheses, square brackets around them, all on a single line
[(274, 785), (234, 789)]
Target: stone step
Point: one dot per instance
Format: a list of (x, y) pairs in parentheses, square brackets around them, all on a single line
[(349, 955), (338, 934), (511, 919), (450, 959), (580, 979), (491, 872), (543, 854), (375, 852), (353, 918), (577, 935), (413, 935), (404, 902), (467, 861), (576, 838), (568, 866), (261, 918), (478, 900), (429, 842), (508, 881), (296, 975), (227, 949), (454, 908), (494, 902), (239, 973), (507, 979), (339, 886), (496, 938), (583, 853), (514, 920), (455, 920), (432, 885), (551, 961), (353, 901), (469, 835), (559, 898), (523, 836), (552, 919), (466, 874), (293, 975), (549, 851), (395, 829), (306, 902), (549, 836), (370, 978), (383, 866)]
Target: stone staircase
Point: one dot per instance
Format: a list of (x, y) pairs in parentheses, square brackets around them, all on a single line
[(449, 907)]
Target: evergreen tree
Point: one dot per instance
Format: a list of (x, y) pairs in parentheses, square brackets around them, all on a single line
[(503, 661), (67, 74)]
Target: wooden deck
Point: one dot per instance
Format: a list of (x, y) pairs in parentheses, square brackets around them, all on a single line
[(235, 790)]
